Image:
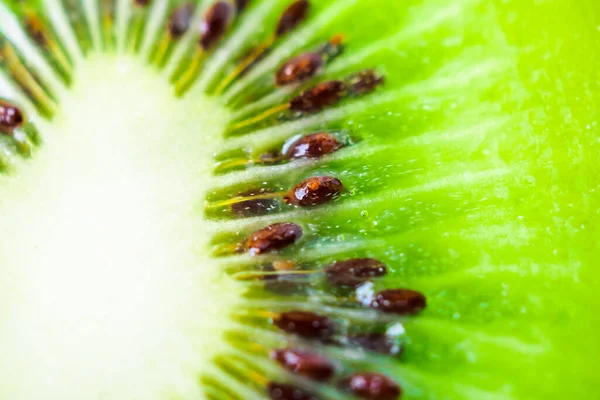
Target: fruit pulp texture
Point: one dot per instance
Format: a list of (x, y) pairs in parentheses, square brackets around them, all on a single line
[(474, 178)]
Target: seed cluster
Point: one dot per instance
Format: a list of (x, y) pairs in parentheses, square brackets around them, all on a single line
[(317, 290)]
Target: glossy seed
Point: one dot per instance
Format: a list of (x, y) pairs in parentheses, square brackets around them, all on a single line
[(305, 323), (241, 5), (273, 237), (372, 386), (377, 342), (299, 69), (215, 23), (399, 301), (302, 362), (323, 95), (254, 207), (283, 391), (313, 146), (292, 16), (364, 82), (354, 272), (11, 117), (314, 191), (181, 19)]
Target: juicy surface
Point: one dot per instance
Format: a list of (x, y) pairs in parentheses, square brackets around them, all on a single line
[(475, 180)]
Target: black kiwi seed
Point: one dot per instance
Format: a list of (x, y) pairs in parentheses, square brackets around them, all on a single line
[(305, 323), (181, 19), (323, 95), (273, 237), (11, 117), (302, 362), (354, 272), (313, 146), (399, 301), (372, 386), (282, 391), (299, 69), (142, 3), (314, 191), (215, 23), (292, 16)]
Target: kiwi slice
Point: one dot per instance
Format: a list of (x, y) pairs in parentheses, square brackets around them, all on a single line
[(298, 199)]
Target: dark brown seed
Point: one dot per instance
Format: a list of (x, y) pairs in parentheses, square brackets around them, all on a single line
[(292, 16), (215, 23), (372, 386), (399, 301), (10, 117), (241, 5), (299, 69), (314, 191), (282, 391), (304, 363), (142, 3), (377, 342), (313, 146), (305, 323), (273, 237), (254, 207), (324, 94), (181, 19), (354, 272), (364, 82)]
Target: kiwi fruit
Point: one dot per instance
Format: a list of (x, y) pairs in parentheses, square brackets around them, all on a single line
[(299, 199)]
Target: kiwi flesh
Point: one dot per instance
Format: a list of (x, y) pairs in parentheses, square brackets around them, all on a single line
[(411, 213)]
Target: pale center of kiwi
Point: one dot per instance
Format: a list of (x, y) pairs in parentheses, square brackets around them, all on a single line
[(107, 286)]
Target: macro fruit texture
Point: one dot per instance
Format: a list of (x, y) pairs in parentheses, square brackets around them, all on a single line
[(299, 199)]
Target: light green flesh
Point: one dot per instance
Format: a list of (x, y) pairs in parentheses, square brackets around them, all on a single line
[(475, 181), (92, 301)]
